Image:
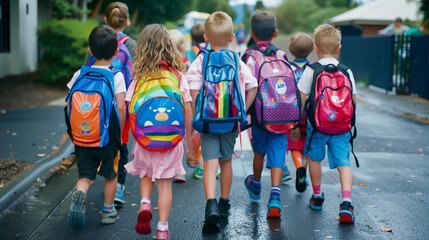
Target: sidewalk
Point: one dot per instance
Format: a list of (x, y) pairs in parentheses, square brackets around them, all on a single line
[(50, 119)]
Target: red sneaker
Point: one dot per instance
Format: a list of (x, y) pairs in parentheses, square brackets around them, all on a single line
[(143, 220)]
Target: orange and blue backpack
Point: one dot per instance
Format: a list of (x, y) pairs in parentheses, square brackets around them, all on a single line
[(157, 110), (92, 117)]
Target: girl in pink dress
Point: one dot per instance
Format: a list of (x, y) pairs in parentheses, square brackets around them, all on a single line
[(154, 53)]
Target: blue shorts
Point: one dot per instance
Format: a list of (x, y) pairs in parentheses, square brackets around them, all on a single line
[(270, 144), (338, 148)]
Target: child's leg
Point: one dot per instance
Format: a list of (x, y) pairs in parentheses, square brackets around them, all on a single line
[(146, 187), (346, 180), (276, 176), (258, 166), (110, 190), (315, 169), (83, 184), (164, 199), (225, 178), (209, 178), (145, 212), (297, 158)]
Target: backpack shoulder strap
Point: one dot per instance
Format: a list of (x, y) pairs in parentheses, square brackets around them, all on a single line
[(123, 38)]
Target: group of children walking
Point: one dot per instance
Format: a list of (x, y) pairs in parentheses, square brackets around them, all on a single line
[(170, 99)]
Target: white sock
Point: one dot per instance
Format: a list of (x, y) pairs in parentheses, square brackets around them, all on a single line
[(145, 200), (162, 226)]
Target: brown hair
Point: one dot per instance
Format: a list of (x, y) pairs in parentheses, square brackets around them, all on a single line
[(301, 45), (327, 38), (197, 33), (219, 28), (153, 46), (117, 15)]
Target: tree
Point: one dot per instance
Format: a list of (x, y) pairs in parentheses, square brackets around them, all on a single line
[(246, 20), (210, 6), (259, 5), (424, 9), (144, 12)]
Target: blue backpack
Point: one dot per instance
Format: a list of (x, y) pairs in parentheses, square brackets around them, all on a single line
[(122, 60), (219, 106), (92, 118)]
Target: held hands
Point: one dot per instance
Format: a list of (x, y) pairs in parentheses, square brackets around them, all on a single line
[(294, 134)]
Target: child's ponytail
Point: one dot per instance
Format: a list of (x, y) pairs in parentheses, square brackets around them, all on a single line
[(117, 15)]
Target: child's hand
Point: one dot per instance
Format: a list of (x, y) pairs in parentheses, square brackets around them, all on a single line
[(294, 135)]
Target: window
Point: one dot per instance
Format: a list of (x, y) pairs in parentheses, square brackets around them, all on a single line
[(4, 25)]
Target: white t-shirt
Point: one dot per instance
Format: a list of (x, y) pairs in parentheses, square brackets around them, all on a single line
[(118, 79), (306, 80)]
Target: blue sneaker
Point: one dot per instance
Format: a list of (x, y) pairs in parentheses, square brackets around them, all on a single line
[(76, 215), (254, 192), (119, 196), (274, 208), (316, 203), (198, 172), (286, 175), (346, 213)]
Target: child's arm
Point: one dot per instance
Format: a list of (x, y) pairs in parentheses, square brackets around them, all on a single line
[(354, 99), (120, 104), (303, 99), (188, 124), (250, 97), (194, 94)]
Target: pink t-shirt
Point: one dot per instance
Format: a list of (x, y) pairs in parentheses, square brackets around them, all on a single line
[(157, 165), (195, 77)]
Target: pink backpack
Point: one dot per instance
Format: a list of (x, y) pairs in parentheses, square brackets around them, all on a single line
[(277, 104)]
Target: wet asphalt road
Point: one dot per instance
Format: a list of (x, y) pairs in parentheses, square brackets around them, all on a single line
[(390, 191)]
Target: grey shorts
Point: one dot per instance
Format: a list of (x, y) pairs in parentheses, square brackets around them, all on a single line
[(218, 146)]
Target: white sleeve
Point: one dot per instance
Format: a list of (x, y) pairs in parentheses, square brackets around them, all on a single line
[(304, 84), (352, 79), (75, 75), (119, 83)]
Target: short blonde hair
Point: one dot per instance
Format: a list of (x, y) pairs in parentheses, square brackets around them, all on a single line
[(301, 45), (219, 28), (327, 38), (177, 38)]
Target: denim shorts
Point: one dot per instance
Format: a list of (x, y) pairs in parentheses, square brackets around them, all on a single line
[(338, 148), (270, 144)]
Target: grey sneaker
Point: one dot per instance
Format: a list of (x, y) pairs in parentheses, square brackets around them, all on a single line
[(109, 217), (76, 215)]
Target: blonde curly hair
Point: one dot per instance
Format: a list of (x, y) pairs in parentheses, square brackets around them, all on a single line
[(154, 45)]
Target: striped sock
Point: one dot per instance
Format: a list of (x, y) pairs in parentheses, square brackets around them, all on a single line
[(108, 208), (275, 192), (255, 185), (347, 196)]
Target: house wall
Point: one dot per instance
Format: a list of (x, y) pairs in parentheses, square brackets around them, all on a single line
[(22, 57), (371, 30)]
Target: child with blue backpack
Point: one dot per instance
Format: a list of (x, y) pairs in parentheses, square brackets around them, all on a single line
[(222, 89), (159, 99), (95, 118), (331, 92), (300, 46), (117, 17), (275, 111)]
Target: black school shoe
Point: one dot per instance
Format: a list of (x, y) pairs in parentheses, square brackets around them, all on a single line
[(224, 207), (211, 222)]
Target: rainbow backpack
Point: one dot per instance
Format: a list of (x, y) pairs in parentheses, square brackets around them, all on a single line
[(157, 110), (219, 106), (277, 104), (92, 118)]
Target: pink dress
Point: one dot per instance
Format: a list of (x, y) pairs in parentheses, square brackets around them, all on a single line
[(157, 165)]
